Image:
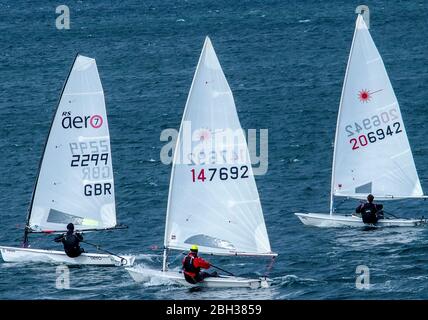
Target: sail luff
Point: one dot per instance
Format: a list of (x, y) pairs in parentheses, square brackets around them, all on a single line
[(177, 144), (27, 226), (339, 115)]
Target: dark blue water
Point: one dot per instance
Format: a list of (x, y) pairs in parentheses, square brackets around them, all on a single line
[(285, 63)]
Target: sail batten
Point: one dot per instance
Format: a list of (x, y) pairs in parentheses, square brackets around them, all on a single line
[(213, 201), (372, 152), (75, 181)]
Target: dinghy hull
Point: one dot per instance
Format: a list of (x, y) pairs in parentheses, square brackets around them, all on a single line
[(13, 254), (146, 275), (337, 221)]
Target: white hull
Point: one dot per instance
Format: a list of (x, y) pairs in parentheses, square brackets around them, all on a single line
[(12, 254), (332, 221), (145, 275)]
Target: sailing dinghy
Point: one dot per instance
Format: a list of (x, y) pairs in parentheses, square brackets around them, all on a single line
[(75, 180), (213, 198), (371, 150)]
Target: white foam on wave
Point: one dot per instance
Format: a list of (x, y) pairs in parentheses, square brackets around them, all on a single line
[(290, 279), (151, 257), (158, 281)]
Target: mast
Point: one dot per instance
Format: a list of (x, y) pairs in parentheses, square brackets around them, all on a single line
[(338, 117), (177, 145), (164, 261), (27, 227)]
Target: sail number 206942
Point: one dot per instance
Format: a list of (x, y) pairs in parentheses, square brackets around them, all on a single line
[(378, 135), (211, 174), (380, 127)]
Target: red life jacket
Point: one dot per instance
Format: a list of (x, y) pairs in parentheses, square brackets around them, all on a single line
[(188, 266)]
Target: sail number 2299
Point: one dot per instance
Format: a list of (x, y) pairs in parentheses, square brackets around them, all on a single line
[(220, 173)]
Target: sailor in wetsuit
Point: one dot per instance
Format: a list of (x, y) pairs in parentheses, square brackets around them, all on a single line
[(370, 212), (71, 241)]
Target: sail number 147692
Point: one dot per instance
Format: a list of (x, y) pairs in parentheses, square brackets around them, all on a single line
[(224, 173)]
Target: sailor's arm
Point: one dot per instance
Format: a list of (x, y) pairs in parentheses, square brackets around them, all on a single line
[(201, 263), (59, 238)]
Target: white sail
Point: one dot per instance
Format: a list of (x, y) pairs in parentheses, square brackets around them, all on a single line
[(213, 199), (75, 182), (372, 153)]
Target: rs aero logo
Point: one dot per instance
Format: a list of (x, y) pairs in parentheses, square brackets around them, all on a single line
[(78, 122)]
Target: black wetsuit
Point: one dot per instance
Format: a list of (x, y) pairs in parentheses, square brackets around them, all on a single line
[(370, 212), (71, 241)]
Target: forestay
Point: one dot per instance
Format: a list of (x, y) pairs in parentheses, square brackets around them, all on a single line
[(75, 182), (372, 152), (213, 199)]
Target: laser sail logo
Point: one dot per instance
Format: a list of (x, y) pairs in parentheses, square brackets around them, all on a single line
[(365, 95), (78, 122)]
